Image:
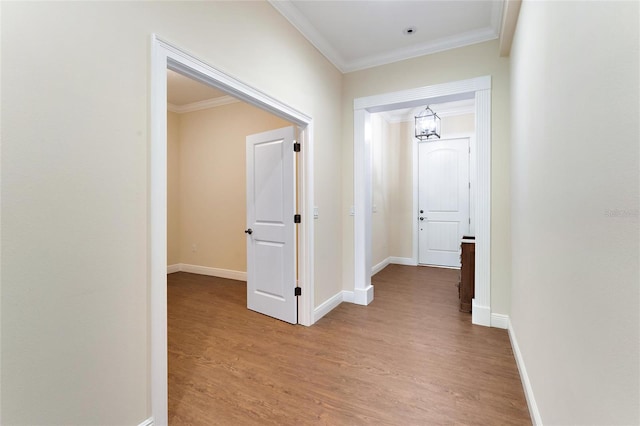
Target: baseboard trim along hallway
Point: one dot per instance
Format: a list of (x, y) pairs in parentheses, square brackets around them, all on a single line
[(524, 377), (206, 270)]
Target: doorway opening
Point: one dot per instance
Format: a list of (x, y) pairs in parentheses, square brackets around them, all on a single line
[(478, 89), (410, 176), (166, 56)]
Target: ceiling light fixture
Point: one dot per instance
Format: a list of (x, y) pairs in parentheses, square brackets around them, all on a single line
[(427, 124), (410, 31)]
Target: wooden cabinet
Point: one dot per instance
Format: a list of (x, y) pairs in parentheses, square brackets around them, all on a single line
[(466, 286)]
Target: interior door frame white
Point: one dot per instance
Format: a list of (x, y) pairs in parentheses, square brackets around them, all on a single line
[(168, 56), (479, 89), (416, 198)]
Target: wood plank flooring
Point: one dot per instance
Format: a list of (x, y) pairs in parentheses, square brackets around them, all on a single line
[(409, 358)]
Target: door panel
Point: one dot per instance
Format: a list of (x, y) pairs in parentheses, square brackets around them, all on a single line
[(443, 192), (271, 244)]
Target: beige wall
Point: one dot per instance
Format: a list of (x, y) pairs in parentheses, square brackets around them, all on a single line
[(380, 219), (173, 188), (400, 162), (467, 62), (211, 194), (454, 125), (75, 187), (574, 207)]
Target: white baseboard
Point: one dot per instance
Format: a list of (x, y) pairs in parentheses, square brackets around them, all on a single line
[(500, 321), (409, 261), (524, 377), (148, 422), (480, 315), (393, 260), (327, 306), (380, 266), (206, 270), (363, 296), (348, 296)]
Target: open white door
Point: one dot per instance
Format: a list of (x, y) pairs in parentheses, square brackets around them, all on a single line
[(443, 200), (271, 238)]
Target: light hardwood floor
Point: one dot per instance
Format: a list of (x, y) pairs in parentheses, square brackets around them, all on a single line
[(409, 358)]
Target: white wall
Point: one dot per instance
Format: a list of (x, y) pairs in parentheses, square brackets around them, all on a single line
[(75, 187), (458, 64), (574, 209)]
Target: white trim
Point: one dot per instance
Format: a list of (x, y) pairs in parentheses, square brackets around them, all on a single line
[(148, 422), (409, 261), (214, 272), (209, 271), (510, 13), (163, 56), (480, 314), (362, 206), (524, 377), (478, 88), (158, 233), (363, 296), (200, 105), (482, 208), (327, 306), (348, 296), (438, 93), (500, 321), (393, 260), (446, 43), (380, 266)]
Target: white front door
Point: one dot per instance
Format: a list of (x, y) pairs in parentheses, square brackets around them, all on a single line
[(443, 200), (271, 238)]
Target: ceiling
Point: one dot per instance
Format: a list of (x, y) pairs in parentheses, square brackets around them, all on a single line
[(354, 35), (183, 90)]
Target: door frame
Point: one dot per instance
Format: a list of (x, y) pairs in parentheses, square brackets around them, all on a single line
[(479, 89), (415, 257), (168, 56)]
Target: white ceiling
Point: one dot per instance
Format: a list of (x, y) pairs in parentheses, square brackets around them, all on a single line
[(360, 34), (183, 90)]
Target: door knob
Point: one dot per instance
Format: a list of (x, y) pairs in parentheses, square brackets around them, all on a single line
[(248, 231), (421, 218)]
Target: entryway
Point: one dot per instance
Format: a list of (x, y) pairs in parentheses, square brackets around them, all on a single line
[(478, 89), (166, 56)]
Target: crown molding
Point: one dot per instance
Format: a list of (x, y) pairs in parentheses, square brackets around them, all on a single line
[(448, 43), (206, 104), (302, 24), (510, 14), (287, 9)]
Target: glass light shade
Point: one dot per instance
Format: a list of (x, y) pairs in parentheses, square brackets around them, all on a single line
[(427, 125)]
